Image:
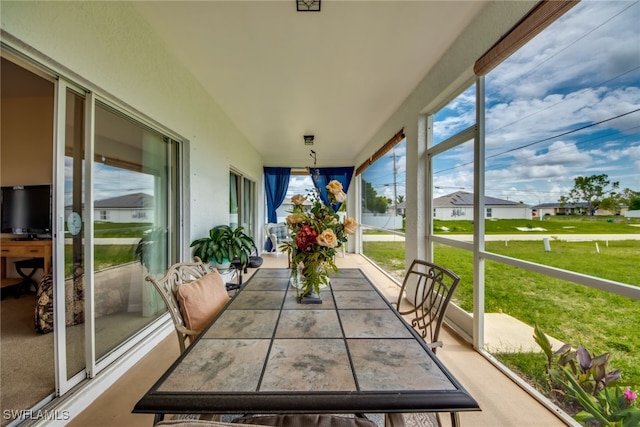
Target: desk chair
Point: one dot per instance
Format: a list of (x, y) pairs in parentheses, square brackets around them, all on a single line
[(431, 287)]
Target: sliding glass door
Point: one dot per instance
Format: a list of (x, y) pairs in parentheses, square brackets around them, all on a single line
[(116, 221), (130, 210)]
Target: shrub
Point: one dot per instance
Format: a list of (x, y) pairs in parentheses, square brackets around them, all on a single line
[(582, 378)]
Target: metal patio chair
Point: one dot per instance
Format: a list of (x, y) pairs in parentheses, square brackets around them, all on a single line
[(428, 288)]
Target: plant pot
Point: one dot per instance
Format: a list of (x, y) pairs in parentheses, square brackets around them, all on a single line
[(224, 265)]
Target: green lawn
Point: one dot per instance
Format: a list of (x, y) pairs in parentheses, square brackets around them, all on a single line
[(105, 256), (121, 229), (572, 313), (556, 224)]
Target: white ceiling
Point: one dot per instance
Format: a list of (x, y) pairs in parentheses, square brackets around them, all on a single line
[(337, 74)]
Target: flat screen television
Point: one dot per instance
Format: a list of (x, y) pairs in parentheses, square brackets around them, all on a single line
[(26, 210)]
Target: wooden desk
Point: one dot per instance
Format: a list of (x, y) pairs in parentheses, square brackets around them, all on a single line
[(265, 353), (23, 249)]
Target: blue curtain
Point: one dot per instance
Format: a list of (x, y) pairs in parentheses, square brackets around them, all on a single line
[(322, 177), (276, 183)]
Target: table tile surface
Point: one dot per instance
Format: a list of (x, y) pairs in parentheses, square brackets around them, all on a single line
[(352, 352)]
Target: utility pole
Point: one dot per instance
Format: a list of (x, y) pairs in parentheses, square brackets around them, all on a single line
[(395, 191)]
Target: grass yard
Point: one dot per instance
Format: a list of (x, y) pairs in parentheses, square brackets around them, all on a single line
[(121, 229), (556, 224), (572, 313), (105, 256)]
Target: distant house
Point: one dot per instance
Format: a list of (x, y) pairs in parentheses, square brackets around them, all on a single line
[(579, 208), (136, 207), (459, 205)]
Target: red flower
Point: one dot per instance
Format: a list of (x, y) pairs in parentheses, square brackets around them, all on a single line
[(306, 238)]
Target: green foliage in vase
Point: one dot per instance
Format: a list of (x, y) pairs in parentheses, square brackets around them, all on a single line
[(315, 236)]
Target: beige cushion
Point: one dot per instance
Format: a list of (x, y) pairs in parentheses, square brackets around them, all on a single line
[(201, 300)]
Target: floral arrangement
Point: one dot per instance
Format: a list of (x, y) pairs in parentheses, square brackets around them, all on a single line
[(315, 237)]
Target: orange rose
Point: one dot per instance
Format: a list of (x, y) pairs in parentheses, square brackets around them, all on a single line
[(334, 187), (327, 238), (350, 225), (298, 199), (295, 219)]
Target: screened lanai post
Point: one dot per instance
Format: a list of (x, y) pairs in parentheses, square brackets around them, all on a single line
[(325, 175), (276, 184)]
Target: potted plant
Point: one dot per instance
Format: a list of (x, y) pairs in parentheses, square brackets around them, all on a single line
[(223, 245)]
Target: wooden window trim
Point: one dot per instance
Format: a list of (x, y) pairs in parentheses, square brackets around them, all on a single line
[(395, 139), (543, 15)]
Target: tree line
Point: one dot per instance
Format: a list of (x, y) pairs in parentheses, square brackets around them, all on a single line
[(598, 192)]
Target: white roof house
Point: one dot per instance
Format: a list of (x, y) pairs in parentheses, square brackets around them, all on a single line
[(136, 207), (459, 206)]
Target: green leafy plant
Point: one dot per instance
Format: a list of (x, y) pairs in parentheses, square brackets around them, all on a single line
[(224, 243), (149, 251), (584, 379), (609, 406)]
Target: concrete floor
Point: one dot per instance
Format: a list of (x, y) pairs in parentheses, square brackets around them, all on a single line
[(503, 403)]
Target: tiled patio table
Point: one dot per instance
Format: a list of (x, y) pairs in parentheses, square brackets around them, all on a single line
[(266, 353)]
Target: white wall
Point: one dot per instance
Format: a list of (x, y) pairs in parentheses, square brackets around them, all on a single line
[(124, 215), (107, 46), (388, 221), (516, 212), (461, 213)]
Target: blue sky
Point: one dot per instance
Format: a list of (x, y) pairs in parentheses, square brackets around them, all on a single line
[(583, 72)]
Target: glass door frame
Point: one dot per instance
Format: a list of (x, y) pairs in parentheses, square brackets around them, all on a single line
[(63, 383)]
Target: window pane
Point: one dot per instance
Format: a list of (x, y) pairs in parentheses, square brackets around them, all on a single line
[(453, 191), (456, 116), (234, 190), (566, 105), (247, 206), (459, 261), (562, 136), (131, 186), (524, 299), (563, 113), (382, 219), (383, 190), (74, 268)]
